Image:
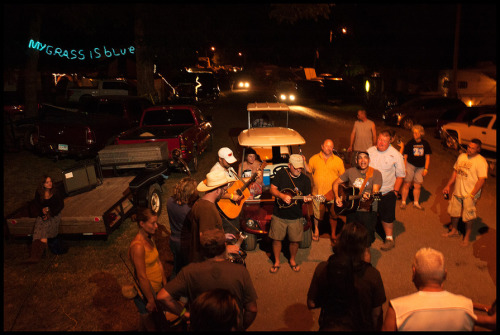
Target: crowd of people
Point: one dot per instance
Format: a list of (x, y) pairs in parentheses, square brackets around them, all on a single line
[(209, 292)]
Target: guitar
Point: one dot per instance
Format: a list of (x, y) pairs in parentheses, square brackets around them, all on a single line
[(241, 255), (296, 197), (352, 200), (230, 208)]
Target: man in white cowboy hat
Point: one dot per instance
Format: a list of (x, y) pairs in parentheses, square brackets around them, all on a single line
[(204, 214), (225, 159)]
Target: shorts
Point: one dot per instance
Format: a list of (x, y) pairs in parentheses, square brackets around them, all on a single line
[(319, 209), (414, 174), (141, 304), (387, 207), (281, 227), (467, 204)]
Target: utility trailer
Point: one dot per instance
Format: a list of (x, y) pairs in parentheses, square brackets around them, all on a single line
[(96, 205)]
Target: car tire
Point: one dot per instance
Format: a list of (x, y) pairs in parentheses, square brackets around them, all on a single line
[(451, 141), (154, 198), (408, 123), (30, 139), (306, 239), (250, 242)]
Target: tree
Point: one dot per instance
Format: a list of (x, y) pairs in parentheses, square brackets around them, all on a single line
[(292, 13)]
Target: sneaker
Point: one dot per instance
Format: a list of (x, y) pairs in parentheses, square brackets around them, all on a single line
[(417, 206), (403, 205), (388, 245)]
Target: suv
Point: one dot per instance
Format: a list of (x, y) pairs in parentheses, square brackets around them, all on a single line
[(274, 145), (423, 111)]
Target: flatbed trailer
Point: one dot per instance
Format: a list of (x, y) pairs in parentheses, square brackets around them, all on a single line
[(95, 212), (94, 205)]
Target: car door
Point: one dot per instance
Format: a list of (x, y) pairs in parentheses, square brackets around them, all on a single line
[(478, 128)]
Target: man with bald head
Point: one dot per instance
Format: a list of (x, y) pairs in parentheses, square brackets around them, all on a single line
[(363, 135), (325, 168), (432, 308)]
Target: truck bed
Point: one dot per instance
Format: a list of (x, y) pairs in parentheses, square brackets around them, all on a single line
[(84, 213)]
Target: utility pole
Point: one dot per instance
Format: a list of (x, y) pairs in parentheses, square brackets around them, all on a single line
[(454, 87)]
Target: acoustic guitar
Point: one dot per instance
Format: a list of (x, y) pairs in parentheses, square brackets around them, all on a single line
[(231, 209), (296, 197), (352, 200)]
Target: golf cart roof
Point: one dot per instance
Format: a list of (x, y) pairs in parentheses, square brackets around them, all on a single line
[(269, 137), (264, 107), (267, 106)]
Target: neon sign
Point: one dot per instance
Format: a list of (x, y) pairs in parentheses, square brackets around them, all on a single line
[(81, 54)]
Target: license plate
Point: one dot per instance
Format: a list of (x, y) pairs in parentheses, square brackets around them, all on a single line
[(62, 147)]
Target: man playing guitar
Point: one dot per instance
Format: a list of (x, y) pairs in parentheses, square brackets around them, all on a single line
[(288, 220), (368, 181)]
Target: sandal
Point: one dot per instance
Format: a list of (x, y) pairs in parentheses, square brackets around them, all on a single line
[(449, 234), (274, 268), (295, 268)]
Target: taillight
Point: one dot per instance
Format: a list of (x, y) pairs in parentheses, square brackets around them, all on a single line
[(89, 136), (183, 146)]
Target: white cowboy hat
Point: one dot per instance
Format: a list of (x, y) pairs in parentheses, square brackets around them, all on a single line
[(214, 179)]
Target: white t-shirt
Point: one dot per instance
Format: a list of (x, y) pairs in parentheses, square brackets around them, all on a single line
[(469, 170), (434, 311), (390, 163), (218, 167)]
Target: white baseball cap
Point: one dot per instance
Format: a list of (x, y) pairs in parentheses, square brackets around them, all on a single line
[(227, 154)]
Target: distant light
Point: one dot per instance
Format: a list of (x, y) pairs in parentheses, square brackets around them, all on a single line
[(292, 97), (240, 54), (344, 31), (283, 97), (470, 103), (367, 86), (212, 48)]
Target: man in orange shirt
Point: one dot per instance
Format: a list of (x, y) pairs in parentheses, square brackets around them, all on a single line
[(325, 168)]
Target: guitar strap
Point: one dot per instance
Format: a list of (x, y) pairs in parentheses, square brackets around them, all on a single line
[(295, 187), (369, 174)]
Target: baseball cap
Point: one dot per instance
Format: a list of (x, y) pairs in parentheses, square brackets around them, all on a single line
[(227, 154), (297, 161)]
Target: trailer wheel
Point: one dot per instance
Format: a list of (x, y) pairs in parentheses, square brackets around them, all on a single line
[(154, 198)]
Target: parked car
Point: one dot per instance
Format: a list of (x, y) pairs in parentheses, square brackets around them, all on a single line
[(423, 111), (98, 88), (273, 145), (483, 127), (86, 130), (313, 90), (463, 114), (184, 127)]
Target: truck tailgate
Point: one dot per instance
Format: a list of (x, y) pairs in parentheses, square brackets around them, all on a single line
[(156, 132)]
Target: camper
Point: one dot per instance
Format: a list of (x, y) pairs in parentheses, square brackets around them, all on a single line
[(475, 87)]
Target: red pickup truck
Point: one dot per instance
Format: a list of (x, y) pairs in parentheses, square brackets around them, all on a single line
[(184, 127)]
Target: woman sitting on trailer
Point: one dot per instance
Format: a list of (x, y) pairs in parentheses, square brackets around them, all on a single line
[(250, 165), (148, 268), (48, 205)]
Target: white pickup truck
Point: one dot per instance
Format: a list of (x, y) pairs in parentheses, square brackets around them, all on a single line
[(98, 88)]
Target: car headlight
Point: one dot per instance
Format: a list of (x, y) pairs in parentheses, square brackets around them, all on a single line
[(241, 84), (247, 84), (252, 224), (283, 96), (292, 97)]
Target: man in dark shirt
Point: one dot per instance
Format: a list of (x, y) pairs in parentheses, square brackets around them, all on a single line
[(287, 213)]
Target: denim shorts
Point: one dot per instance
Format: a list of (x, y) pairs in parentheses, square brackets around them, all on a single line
[(414, 174)]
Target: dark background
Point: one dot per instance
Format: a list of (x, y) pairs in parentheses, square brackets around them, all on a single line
[(391, 35)]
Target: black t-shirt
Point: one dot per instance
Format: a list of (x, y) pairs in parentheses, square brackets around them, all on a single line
[(416, 152), (282, 181)]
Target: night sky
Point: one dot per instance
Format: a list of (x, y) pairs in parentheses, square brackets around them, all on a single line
[(420, 35)]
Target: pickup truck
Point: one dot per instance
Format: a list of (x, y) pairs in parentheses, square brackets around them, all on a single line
[(483, 127), (184, 127), (100, 88), (89, 128)]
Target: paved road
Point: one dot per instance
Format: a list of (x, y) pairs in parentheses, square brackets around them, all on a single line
[(282, 296)]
